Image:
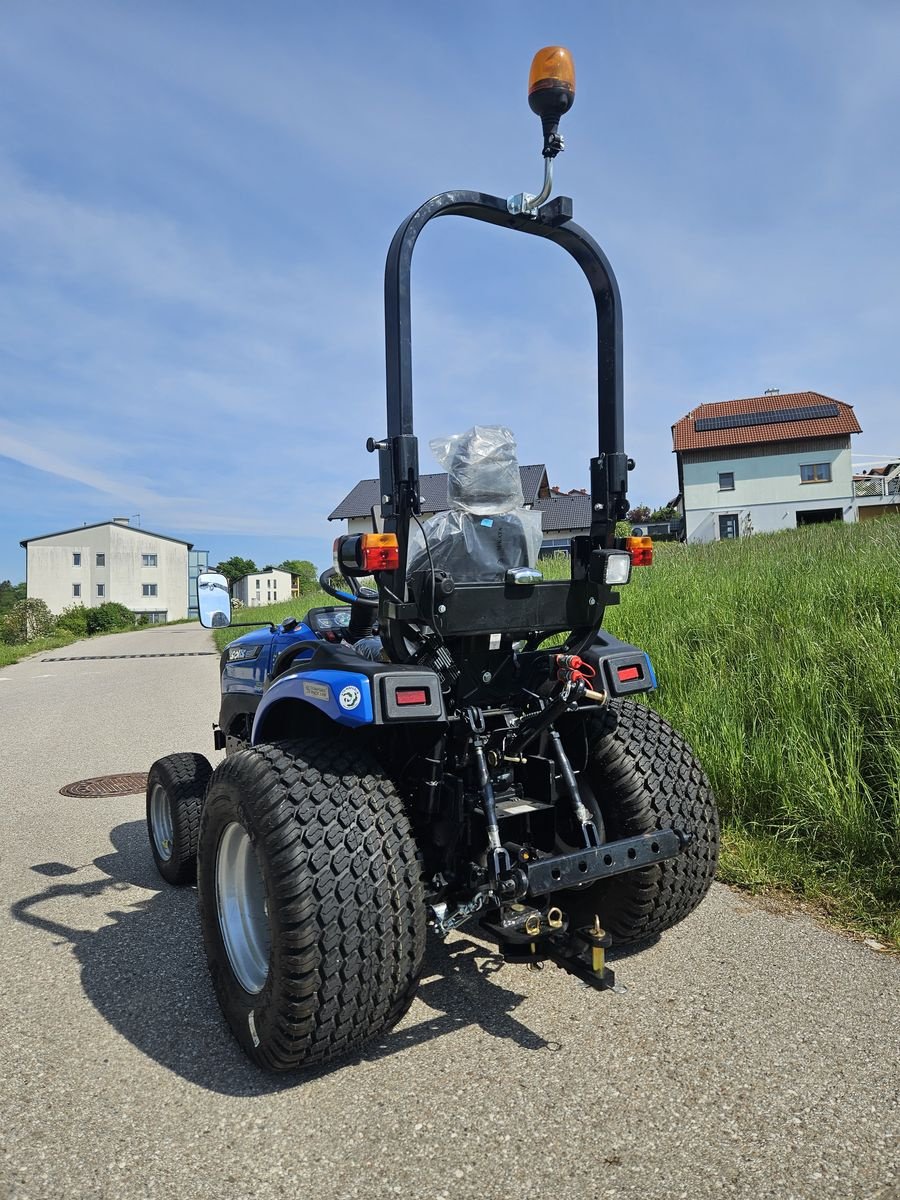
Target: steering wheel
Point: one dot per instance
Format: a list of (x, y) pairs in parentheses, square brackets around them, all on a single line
[(356, 595)]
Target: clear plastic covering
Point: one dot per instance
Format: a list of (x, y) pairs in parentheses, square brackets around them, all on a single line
[(482, 470), (488, 529)]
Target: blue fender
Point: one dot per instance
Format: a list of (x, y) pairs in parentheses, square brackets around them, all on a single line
[(343, 696)]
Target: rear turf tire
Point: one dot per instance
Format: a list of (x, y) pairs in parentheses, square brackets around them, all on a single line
[(312, 841), (644, 777), (176, 786)]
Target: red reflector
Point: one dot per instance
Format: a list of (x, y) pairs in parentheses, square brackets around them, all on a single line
[(411, 696), (380, 558), (626, 674)]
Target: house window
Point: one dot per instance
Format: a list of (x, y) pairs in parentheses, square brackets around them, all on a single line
[(101, 589), (148, 560), (148, 589), (76, 560), (76, 590), (726, 481), (257, 585), (728, 526), (101, 560), (815, 472)]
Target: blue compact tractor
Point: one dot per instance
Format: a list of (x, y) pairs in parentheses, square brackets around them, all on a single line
[(456, 740)]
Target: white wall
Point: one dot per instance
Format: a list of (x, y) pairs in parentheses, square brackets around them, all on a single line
[(51, 572), (263, 587), (767, 489)]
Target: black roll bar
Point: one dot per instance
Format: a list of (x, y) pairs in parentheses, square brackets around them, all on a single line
[(398, 454)]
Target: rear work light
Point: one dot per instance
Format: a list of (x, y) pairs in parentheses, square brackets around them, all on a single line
[(363, 553), (405, 696), (641, 550)]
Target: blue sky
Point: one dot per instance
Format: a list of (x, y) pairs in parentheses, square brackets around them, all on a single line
[(196, 200)]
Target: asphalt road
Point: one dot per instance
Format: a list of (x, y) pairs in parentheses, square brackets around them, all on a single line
[(753, 1055)]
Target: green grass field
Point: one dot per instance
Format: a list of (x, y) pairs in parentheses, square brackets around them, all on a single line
[(778, 658)]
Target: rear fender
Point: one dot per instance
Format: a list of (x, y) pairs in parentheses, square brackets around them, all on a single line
[(345, 697)]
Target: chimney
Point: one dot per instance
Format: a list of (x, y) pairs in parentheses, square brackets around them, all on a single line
[(555, 490), (121, 520)]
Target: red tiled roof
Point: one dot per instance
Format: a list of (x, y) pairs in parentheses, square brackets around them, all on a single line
[(686, 437)]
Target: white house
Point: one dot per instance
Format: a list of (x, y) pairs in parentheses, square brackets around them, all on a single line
[(764, 463), (110, 561), (263, 587)]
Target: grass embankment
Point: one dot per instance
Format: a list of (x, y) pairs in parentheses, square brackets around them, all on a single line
[(271, 612), (14, 654), (778, 658)]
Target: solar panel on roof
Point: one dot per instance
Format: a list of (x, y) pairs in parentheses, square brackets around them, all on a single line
[(774, 416)]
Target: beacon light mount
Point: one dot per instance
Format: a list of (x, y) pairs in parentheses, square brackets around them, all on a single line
[(551, 93)]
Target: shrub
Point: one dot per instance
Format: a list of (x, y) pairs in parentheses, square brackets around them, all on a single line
[(25, 621), (107, 617), (74, 619)]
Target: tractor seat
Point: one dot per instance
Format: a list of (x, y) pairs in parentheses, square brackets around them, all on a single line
[(471, 548)]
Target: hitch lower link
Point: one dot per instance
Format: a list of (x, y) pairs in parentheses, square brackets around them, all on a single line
[(530, 876)]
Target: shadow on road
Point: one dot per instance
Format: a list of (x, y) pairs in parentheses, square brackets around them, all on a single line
[(145, 972)]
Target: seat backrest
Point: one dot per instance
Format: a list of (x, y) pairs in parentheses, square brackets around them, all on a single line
[(473, 549)]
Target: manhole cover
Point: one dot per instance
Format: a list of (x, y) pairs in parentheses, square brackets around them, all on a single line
[(107, 785)]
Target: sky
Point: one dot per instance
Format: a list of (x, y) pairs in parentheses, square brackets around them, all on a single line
[(196, 200)]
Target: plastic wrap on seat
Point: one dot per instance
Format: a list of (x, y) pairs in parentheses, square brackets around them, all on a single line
[(482, 470), (487, 530)]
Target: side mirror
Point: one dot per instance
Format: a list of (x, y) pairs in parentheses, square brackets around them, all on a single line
[(214, 600)]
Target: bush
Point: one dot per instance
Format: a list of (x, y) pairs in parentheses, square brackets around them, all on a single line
[(74, 619), (106, 618), (25, 621)]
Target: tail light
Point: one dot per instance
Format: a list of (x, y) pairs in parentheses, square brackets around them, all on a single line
[(364, 553), (641, 550)]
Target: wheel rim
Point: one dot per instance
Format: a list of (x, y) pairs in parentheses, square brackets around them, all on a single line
[(241, 905), (161, 821)]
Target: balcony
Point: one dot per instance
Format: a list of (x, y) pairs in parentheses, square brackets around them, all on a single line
[(877, 487)]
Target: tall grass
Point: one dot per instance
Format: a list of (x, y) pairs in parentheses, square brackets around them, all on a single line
[(778, 657)]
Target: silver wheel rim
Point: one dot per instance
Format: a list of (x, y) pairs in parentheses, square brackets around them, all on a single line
[(241, 905), (161, 821)]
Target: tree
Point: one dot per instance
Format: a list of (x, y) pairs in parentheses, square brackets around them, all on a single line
[(10, 594), (236, 568), (638, 514), (305, 570), (668, 513)]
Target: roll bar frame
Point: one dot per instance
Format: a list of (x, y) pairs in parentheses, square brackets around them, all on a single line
[(398, 452)]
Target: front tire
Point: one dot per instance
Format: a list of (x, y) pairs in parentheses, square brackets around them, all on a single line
[(176, 786), (645, 777), (311, 901)]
